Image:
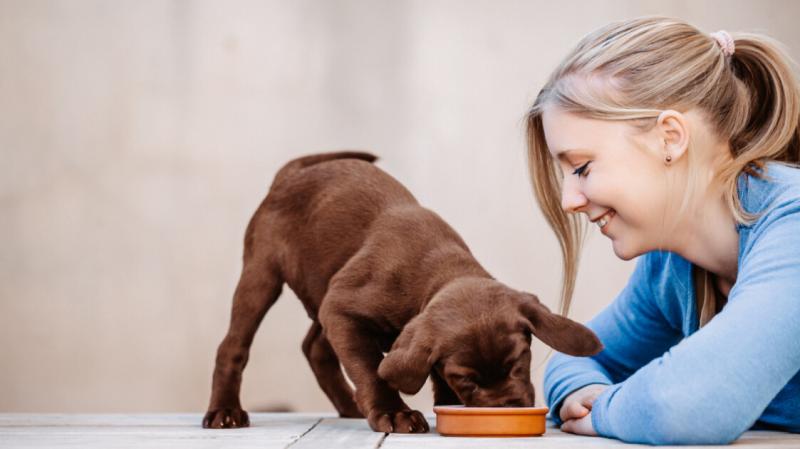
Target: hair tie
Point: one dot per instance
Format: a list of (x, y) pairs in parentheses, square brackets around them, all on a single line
[(725, 42)]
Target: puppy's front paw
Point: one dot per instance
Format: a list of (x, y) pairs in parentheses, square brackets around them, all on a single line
[(226, 418), (403, 421)]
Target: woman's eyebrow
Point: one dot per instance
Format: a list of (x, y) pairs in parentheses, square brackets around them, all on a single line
[(563, 154)]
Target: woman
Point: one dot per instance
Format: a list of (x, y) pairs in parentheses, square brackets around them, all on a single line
[(683, 148)]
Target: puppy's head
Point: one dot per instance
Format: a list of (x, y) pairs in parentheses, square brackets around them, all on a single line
[(476, 333)]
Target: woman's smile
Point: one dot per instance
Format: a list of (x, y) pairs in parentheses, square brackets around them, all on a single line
[(603, 221)]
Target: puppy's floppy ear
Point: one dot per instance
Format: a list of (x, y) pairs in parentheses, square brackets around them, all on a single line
[(409, 362), (556, 331)]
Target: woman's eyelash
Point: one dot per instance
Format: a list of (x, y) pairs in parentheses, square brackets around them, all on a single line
[(579, 171)]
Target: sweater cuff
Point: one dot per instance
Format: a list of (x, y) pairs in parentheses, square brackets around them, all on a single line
[(600, 420)]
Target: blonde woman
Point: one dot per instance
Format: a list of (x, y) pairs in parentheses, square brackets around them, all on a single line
[(681, 147)]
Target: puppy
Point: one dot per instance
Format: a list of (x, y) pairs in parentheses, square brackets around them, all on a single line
[(377, 273)]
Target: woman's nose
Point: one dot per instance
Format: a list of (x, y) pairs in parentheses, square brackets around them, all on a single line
[(572, 199)]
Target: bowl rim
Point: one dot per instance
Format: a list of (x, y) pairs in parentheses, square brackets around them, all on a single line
[(478, 411)]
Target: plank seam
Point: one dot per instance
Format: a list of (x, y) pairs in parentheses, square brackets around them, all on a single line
[(381, 440), (304, 433)]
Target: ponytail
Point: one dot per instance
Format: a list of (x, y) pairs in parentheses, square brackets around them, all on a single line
[(761, 124)]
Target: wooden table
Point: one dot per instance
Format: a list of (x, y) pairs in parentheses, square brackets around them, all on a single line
[(275, 430)]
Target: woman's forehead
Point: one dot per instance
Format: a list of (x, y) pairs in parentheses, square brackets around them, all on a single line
[(568, 134)]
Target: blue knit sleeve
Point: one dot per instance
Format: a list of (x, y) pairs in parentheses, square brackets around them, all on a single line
[(713, 385), (633, 330)]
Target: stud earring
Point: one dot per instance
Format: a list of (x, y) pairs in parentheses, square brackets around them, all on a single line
[(668, 158)]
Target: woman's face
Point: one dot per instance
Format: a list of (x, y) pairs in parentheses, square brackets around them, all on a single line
[(620, 177)]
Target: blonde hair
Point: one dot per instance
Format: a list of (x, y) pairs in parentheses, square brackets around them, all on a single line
[(632, 71)]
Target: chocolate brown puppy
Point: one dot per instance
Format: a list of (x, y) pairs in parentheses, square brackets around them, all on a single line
[(379, 274)]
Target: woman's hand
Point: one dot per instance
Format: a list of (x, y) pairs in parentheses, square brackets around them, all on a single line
[(576, 411), (580, 426)]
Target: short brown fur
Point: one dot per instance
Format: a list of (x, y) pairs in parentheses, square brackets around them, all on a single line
[(377, 273)]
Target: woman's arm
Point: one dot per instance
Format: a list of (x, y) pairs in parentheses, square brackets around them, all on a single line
[(634, 330), (715, 384)]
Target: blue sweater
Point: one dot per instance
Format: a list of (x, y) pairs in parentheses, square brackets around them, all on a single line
[(672, 383)]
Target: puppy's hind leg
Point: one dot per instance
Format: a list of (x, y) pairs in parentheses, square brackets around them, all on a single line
[(258, 289), (328, 371)]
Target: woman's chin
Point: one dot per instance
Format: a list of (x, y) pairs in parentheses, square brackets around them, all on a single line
[(622, 251)]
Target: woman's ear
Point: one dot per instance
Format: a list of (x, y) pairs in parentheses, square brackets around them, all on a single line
[(673, 131), (556, 331), (407, 365)]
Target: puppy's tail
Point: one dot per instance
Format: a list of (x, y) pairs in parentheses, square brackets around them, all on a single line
[(307, 161)]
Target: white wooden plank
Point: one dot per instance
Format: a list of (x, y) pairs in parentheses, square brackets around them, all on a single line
[(551, 439), (278, 430), (768, 439), (332, 433), (135, 419), (555, 438), (146, 431)]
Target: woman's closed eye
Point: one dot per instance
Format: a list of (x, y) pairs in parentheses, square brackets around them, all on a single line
[(580, 170)]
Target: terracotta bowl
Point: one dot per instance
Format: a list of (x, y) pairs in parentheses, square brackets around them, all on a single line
[(458, 420)]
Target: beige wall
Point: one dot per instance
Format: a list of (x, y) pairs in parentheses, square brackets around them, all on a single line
[(137, 138)]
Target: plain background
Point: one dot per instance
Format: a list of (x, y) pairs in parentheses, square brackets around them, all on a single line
[(138, 137)]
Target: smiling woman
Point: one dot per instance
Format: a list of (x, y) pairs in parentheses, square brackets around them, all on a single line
[(683, 148)]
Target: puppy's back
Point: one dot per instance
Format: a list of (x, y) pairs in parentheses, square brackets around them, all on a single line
[(302, 162), (322, 206), (315, 185)]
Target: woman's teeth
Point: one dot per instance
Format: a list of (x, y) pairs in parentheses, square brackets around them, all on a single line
[(604, 219)]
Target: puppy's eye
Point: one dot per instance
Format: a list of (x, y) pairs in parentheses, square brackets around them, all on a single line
[(471, 385), (471, 380), (468, 383), (517, 372)]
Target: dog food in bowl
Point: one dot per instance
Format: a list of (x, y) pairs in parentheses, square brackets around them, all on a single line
[(458, 420)]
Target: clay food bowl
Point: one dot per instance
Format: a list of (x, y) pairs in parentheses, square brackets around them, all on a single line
[(458, 420)]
